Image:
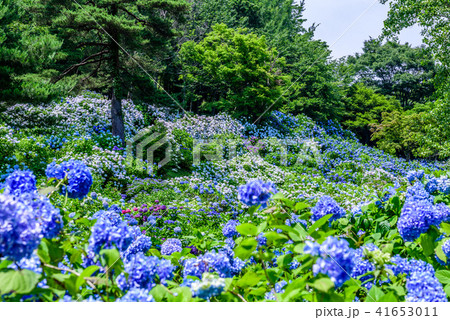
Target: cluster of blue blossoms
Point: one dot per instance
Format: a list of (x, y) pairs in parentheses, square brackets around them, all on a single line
[(25, 217), (279, 288), (206, 288), (421, 284), (336, 259), (137, 295), (224, 263), (229, 229), (415, 175), (143, 272), (419, 213), (110, 231), (325, 206), (170, 246), (256, 193), (78, 175), (438, 184)]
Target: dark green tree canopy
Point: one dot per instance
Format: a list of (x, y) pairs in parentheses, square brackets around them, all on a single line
[(396, 69), (109, 41), (232, 70)]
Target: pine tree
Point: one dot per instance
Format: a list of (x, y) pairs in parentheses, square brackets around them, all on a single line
[(110, 40), (28, 53)]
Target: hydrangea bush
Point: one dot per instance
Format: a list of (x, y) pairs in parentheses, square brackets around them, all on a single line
[(291, 211)]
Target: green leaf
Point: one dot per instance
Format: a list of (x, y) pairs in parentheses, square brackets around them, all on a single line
[(374, 294), (5, 264), (86, 273), (445, 227), (274, 236), (112, 260), (284, 260), (20, 281), (447, 290), (180, 294), (319, 223), (443, 276), (159, 293), (278, 196), (249, 279), (388, 297), (301, 206), (427, 244), (247, 229), (323, 284), (245, 249), (76, 256), (440, 253), (155, 252)]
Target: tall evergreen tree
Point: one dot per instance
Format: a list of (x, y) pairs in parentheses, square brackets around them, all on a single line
[(109, 39), (396, 69), (28, 54)]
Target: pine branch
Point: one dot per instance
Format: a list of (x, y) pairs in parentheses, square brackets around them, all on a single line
[(85, 61)]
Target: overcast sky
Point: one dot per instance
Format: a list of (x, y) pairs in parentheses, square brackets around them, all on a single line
[(335, 16)]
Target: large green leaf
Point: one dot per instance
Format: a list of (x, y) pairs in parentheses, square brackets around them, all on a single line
[(245, 249), (19, 281), (247, 229), (319, 223)]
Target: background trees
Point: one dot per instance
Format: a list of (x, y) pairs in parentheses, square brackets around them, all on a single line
[(232, 70), (396, 70), (237, 56), (28, 55), (105, 42)]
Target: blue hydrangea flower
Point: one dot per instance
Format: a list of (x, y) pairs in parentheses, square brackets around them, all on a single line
[(20, 182), (416, 218), (20, 229), (262, 240), (363, 266), (230, 242), (79, 178), (421, 284), (106, 234), (446, 249), (47, 215), (141, 244), (256, 193), (143, 271), (210, 286), (336, 259), (424, 287), (417, 192), (432, 185), (165, 270), (279, 288), (177, 229), (415, 175), (111, 216), (326, 205), (229, 230), (442, 212), (404, 266), (170, 246), (137, 295), (223, 263)]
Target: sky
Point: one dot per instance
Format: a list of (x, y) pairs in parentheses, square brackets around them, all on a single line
[(335, 16)]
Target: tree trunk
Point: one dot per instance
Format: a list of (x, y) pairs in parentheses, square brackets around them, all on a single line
[(118, 128)]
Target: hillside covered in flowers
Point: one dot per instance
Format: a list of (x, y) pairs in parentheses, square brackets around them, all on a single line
[(291, 210)]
